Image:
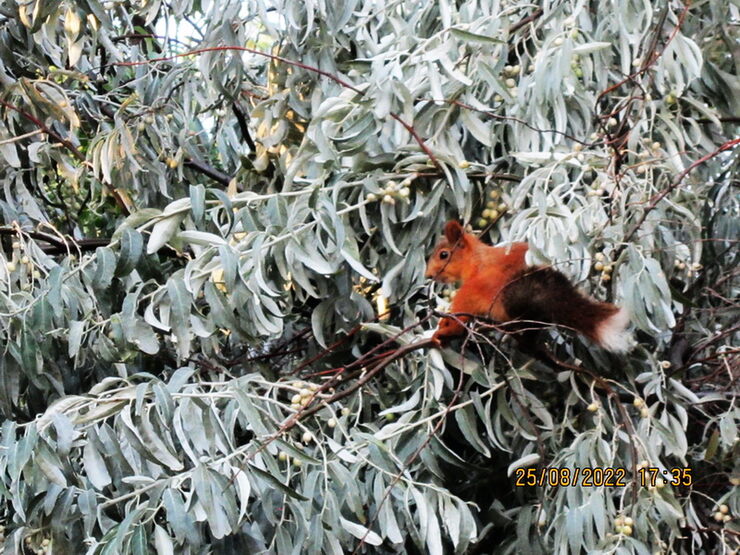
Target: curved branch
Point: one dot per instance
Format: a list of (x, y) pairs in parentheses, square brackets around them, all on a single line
[(210, 171), (660, 196), (306, 67)]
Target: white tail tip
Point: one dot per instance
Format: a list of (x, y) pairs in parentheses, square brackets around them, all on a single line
[(612, 335)]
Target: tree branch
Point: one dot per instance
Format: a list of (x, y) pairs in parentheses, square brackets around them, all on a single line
[(306, 67), (210, 171)]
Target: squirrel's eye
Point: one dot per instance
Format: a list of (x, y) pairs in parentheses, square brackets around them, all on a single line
[(443, 255)]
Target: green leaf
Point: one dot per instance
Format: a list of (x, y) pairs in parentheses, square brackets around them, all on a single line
[(202, 238), (465, 418), (360, 532), (198, 202), (274, 482), (105, 268), (162, 541), (95, 467), (131, 249), (163, 231), (76, 329), (180, 303), (138, 543), (467, 36)]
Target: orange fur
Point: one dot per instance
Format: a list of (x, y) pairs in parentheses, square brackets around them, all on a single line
[(482, 270), (497, 283)]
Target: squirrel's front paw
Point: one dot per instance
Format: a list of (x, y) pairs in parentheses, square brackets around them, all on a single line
[(436, 341)]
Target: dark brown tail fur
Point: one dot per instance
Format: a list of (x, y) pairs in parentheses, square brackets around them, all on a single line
[(542, 294)]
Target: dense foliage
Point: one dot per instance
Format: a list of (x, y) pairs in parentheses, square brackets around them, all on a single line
[(214, 220)]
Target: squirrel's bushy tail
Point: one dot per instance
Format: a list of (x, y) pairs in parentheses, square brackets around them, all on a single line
[(542, 294)]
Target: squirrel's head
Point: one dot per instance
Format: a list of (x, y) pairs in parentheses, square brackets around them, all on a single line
[(447, 262)]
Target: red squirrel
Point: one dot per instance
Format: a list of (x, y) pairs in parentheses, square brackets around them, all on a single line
[(497, 283)]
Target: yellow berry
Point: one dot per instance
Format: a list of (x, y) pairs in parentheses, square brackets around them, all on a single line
[(331, 423), (10, 266), (371, 197), (644, 412), (638, 402), (593, 407), (482, 222), (463, 164), (627, 530), (719, 517), (598, 266), (665, 364), (297, 461), (724, 509), (307, 437), (282, 456), (345, 411)]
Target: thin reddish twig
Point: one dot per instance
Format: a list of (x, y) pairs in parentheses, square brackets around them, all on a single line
[(281, 59), (661, 195)]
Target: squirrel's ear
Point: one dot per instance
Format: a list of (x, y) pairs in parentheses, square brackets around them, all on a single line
[(453, 231)]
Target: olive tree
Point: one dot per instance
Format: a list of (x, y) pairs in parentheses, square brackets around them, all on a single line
[(214, 221)]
